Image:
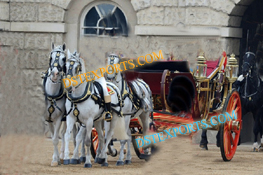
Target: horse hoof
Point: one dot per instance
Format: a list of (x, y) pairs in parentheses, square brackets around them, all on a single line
[(74, 161), (87, 165), (204, 147), (66, 162), (105, 164), (101, 161), (119, 163), (127, 162), (115, 153), (82, 159), (53, 164), (61, 161), (96, 160)]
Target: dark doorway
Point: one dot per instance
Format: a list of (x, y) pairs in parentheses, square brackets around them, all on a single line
[(251, 18)]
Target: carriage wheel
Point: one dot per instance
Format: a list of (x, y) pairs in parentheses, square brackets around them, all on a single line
[(140, 151), (95, 142), (230, 130)]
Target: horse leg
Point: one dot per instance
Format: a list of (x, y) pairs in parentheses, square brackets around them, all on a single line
[(70, 122), (112, 150), (64, 127), (123, 142), (51, 128), (204, 142), (145, 124), (83, 156), (109, 127), (74, 133), (79, 136), (55, 140), (256, 131), (89, 125), (261, 124), (100, 145), (129, 157)]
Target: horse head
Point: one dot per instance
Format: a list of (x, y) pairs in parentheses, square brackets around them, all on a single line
[(57, 62), (111, 60), (75, 65), (249, 62)]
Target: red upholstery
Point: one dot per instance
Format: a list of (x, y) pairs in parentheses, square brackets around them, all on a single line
[(211, 66)]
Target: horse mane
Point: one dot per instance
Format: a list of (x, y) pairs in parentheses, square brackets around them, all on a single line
[(82, 62)]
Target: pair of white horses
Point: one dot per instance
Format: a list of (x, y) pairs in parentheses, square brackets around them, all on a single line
[(80, 106)]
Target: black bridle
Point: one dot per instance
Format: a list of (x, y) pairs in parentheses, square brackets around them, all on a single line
[(56, 62), (70, 73)]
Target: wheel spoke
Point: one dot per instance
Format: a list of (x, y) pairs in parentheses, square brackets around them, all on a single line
[(229, 142), (95, 138), (231, 139), (96, 145), (237, 109), (234, 105), (229, 106)]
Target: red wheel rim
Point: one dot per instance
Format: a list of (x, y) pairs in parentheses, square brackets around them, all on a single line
[(140, 143), (231, 137), (95, 140)]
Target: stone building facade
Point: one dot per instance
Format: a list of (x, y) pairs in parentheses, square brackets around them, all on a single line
[(27, 27)]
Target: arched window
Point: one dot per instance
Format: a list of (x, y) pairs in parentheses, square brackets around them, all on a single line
[(105, 19)]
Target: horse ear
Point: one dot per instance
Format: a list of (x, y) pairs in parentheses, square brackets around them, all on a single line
[(68, 54), (52, 46), (64, 46)]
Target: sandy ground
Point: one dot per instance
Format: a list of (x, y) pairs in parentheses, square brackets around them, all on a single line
[(20, 154)]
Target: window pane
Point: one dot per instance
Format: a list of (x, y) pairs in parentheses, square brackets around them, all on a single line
[(121, 22), (105, 9), (91, 21)]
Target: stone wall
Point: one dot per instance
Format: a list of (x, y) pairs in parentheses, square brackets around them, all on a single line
[(24, 55), (29, 26)]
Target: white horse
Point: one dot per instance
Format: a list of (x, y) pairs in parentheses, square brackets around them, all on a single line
[(130, 110), (83, 105), (55, 97)]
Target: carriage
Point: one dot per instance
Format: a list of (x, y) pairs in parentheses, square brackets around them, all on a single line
[(181, 96)]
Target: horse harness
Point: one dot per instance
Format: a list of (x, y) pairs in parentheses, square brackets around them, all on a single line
[(136, 101), (52, 99), (245, 90), (97, 97)]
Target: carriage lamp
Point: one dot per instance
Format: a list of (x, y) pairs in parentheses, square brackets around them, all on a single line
[(201, 67), (232, 68)]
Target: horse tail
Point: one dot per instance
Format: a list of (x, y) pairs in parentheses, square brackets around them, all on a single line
[(120, 129), (142, 90)]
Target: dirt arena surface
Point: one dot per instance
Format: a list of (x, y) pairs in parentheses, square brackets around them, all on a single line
[(21, 154)]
